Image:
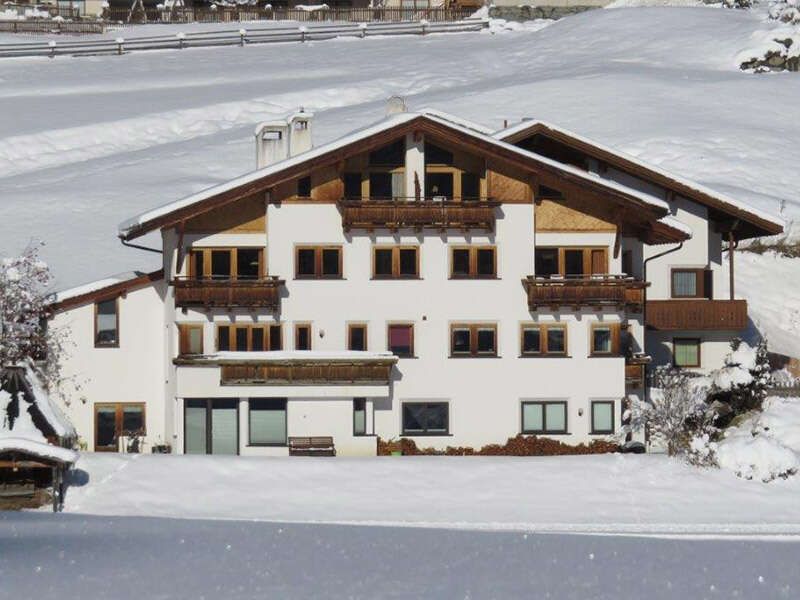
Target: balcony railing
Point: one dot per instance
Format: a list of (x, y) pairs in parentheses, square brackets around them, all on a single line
[(310, 372), (579, 291), (428, 213), (256, 293), (686, 315)]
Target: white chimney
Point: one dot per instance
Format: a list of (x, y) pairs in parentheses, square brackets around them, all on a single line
[(278, 140), (395, 105)]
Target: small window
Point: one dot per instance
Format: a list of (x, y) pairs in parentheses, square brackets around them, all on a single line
[(692, 283), (605, 339), (425, 418), (359, 416), (304, 187), (546, 262), (352, 186), (318, 262), (248, 263), (116, 420), (267, 421), (686, 352), (473, 340), (543, 340), (396, 263), (573, 262), (439, 185), (223, 338), (470, 186), (556, 340), (531, 340), (302, 337), (220, 264), (602, 417), (357, 337), (257, 342), (544, 417), (275, 337), (475, 262), (106, 323), (190, 338), (401, 340)]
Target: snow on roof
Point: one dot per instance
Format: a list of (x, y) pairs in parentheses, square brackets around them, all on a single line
[(675, 224), (298, 355), (737, 204), (457, 120), (36, 448), (98, 285), (391, 121), (61, 425)]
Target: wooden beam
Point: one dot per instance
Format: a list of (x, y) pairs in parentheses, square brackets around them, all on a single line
[(180, 228)]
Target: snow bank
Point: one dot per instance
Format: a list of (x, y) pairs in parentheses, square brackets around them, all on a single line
[(765, 446)]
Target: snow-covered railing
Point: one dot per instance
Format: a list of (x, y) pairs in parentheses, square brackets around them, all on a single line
[(235, 38)]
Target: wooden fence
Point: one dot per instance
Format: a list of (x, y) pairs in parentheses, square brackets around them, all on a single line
[(266, 35), (50, 27)]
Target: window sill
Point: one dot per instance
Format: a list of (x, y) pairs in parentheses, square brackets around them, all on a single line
[(474, 356), (546, 433), (475, 278), (404, 434), (106, 345), (545, 356), (314, 278), (388, 278)]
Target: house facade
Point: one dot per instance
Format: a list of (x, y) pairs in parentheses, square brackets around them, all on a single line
[(422, 277)]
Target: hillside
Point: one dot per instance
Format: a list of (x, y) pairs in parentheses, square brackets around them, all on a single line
[(95, 140)]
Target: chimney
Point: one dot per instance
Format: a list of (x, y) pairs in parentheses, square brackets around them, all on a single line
[(278, 140), (395, 105)]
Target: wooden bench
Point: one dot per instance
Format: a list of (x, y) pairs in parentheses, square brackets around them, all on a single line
[(311, 446)]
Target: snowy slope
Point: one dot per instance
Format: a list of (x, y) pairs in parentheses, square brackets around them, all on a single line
[(93, 141), (606, 493)]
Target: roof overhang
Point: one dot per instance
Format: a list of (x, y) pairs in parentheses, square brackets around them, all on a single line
[(93, 292)]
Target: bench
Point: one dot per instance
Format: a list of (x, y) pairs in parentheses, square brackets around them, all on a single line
[(311, 446)]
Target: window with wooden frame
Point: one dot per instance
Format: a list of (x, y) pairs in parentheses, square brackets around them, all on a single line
[(544, 339), (686, 352), (227, 264), (395, 262), (473, 262), (302, 336), (249, 338), (400, 339), (318, 262), (602, 417), (692, 283), (604, 339), (190, 338), (426, 418), (450, 177), (473, 340), (571, 261), (106, 323), (114, 420), (357, 337), (542, 416)]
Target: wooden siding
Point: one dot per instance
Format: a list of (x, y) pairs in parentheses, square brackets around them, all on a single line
[(608, 290), (310, 372), (397, 214), (570, 215), (244, 216), (690, 315), (508, 185), (263, 293)]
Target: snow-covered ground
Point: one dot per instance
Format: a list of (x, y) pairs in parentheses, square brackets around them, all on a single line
[(52, 557), (87, 142), (648, 494)]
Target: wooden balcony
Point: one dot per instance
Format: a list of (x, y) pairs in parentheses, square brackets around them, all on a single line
[(577, 292), (255, 293), (308, 372), (686, 315), (418, 214)]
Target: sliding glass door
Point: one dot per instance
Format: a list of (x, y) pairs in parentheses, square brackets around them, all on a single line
[(211, 426)]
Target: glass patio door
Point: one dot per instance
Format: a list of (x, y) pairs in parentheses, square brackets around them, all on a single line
[(211, 426)]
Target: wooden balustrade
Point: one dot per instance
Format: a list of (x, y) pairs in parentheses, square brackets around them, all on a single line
[(700, 314), (261, 293), (596, 290), (308, 372), (422, 214)]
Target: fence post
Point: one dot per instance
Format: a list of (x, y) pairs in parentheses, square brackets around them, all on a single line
[(303, 34), (423, 23), (52, 45), (242, 35), (181, 36), (120, 42), (363, 28)]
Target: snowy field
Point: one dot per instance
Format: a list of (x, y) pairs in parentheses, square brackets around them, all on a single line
[(88, 142), (130, 558), (648, 494)]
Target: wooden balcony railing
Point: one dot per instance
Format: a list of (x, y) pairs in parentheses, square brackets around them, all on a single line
[(685, 315), (635, 371), (261, 293), (308, 372), (579, 291), (418, 214)]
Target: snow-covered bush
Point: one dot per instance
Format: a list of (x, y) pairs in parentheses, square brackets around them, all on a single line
[(677, 412), (737, 3), (764, 445), (786, 11), (741, 384)]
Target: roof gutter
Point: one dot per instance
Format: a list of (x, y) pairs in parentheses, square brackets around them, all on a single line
[(138, 247)]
